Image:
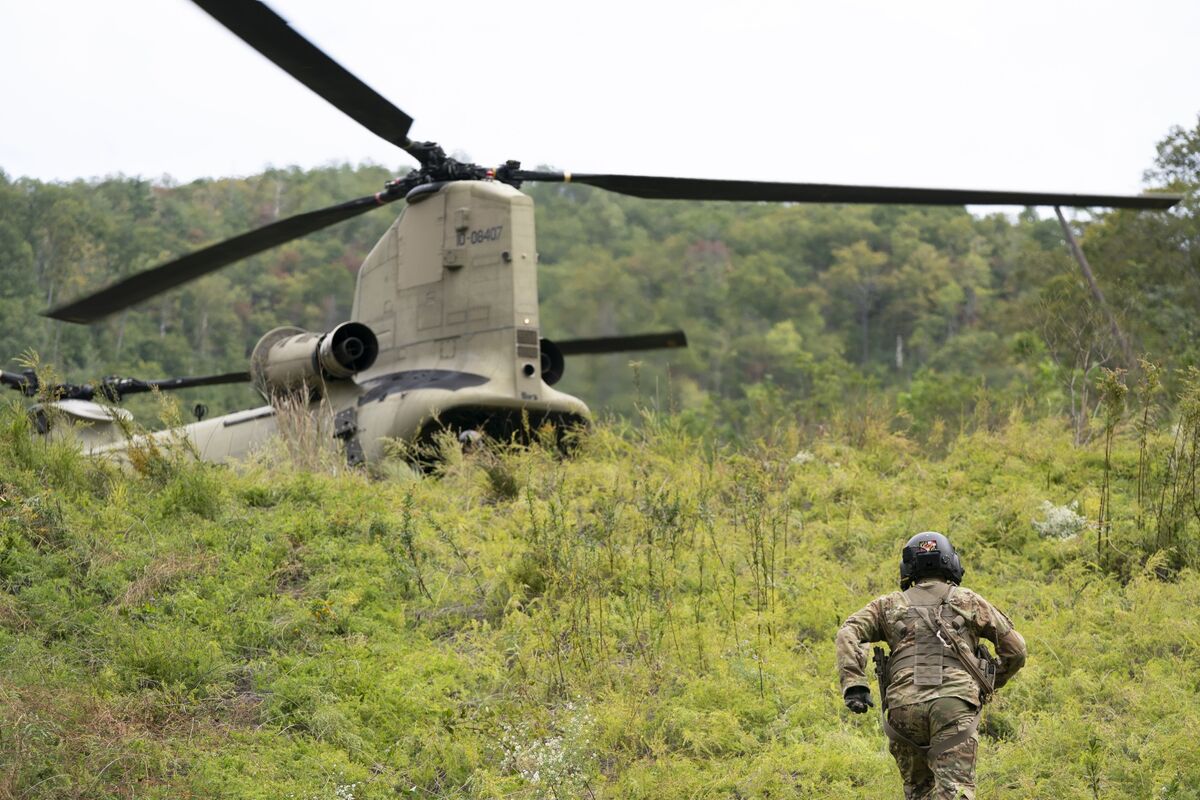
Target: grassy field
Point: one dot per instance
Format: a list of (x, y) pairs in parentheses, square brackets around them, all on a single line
[(652, 618)]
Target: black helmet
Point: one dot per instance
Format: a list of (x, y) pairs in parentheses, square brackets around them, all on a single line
[(929, 553)]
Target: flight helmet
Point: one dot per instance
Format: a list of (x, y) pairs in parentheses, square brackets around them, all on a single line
[(929, 554)]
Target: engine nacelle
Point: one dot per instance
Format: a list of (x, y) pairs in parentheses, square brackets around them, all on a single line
[(287, 359)]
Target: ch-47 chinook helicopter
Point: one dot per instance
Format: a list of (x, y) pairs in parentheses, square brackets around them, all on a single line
[(444, 331)]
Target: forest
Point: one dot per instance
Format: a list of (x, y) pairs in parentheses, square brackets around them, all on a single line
[(653, 616), (791, 310)]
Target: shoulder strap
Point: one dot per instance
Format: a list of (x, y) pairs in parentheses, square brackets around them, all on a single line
[(966, 657)]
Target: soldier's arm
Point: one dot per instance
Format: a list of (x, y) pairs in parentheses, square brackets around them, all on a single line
[(1010, 645), (862, 627)]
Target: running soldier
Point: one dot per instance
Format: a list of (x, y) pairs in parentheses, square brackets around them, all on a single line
[(937, 677)]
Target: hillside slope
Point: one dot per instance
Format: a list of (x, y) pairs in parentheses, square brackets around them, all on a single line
[(651, 618)]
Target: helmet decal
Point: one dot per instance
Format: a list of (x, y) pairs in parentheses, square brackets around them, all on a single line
[(928, 546)]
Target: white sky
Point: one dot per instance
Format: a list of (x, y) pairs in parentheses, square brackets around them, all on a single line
[(1020, 94)]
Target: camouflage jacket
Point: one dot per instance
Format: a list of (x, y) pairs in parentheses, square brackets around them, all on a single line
[(881, 620)]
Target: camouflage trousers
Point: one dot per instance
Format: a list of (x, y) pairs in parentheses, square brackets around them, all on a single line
[(947, 776)]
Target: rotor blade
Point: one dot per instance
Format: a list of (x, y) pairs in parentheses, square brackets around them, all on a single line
[(166, 276), (658, 188), (269, 34), (622, 344), (26, 383), (133, 386), (115, 389)]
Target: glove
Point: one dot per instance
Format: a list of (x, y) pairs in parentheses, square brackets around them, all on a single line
[(858, 699)]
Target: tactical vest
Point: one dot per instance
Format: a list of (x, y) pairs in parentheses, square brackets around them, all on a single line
[(928, 653)]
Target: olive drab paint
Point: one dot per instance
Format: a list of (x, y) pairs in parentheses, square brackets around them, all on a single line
[(450, 292)]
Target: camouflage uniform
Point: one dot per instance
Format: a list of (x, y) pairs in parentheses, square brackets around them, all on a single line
[(931, 697)]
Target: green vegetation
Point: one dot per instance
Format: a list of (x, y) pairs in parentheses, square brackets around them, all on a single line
[(651, 618), (792, 311)]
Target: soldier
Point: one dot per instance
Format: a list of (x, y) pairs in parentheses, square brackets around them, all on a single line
[(937, 677)]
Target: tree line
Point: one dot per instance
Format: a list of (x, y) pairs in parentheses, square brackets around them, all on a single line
[(792, 311)]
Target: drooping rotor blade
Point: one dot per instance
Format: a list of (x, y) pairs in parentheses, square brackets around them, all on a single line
[(26, 383), (622, 344), (126, 386), (145, 285), (659, 188), (113, 389), (268, 33)]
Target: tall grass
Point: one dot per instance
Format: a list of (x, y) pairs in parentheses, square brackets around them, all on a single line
[(650, 618)]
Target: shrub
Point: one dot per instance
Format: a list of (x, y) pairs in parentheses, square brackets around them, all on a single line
[(1060, 522)]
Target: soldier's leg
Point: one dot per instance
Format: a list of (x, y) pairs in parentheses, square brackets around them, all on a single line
[(912, 721), (953, 770)]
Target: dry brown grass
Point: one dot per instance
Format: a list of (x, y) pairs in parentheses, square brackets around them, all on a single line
[(11, 616), (75, 744), (305, 436), (160, 574)]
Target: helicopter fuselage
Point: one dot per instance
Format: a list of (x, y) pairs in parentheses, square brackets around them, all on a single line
[(450, 292)]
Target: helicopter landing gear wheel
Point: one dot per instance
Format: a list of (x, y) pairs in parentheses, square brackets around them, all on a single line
[(470, 440)]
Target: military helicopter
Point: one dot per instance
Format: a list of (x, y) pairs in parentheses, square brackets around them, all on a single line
[(444, 331)]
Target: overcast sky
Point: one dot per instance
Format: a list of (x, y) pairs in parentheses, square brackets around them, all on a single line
[(1038, 95)]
